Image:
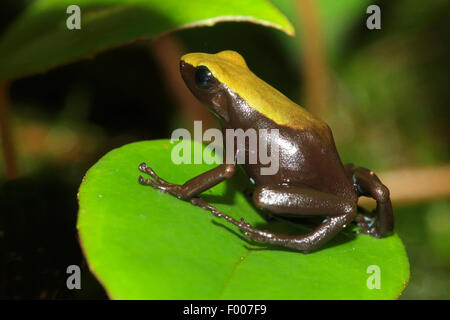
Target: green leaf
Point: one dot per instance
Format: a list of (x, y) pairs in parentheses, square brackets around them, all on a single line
[(145, 244), (39, 39)]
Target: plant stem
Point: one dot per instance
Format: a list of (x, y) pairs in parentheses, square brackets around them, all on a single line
[(316, 78)]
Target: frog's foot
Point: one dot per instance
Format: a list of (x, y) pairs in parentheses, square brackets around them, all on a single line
[(367, 225), (159, 183), (241, 224)]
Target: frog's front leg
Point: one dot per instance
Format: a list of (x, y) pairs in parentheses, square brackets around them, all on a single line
[(301, 201), (368, 184), (192, 187)]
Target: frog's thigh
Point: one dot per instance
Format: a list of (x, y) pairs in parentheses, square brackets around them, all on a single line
[(300, 200)]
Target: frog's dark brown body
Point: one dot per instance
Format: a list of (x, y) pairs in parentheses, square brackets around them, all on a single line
[(311, 179), (306, 158)]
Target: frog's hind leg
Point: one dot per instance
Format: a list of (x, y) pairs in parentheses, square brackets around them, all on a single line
[(293, 201), (368, 184), (303, 201)]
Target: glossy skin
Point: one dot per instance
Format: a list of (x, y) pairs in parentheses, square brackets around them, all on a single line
[(311, 180)]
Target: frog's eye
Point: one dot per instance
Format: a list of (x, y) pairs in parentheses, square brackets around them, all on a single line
[(203, 77)]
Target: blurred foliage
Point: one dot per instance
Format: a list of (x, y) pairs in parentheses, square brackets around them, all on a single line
[(39, 39), (425, 231), (390, 109), (395, 89)]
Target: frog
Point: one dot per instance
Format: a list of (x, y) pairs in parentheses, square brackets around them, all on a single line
[(311, 180)]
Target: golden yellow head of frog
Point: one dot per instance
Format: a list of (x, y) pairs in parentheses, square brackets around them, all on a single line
[(209, 75), (215, 79)]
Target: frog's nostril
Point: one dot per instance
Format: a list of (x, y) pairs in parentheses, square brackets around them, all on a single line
[(182, 63)]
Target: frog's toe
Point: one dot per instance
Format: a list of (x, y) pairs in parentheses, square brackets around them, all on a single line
[(143, 167), (244, 225), (150, 182), (367, 225), (255, 237), (148, 170)]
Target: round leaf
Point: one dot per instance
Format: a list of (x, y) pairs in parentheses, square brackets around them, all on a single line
[(145, 244)]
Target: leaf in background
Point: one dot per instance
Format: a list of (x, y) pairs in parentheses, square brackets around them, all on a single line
[(144, 244), (39, 38), (336, 20)]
